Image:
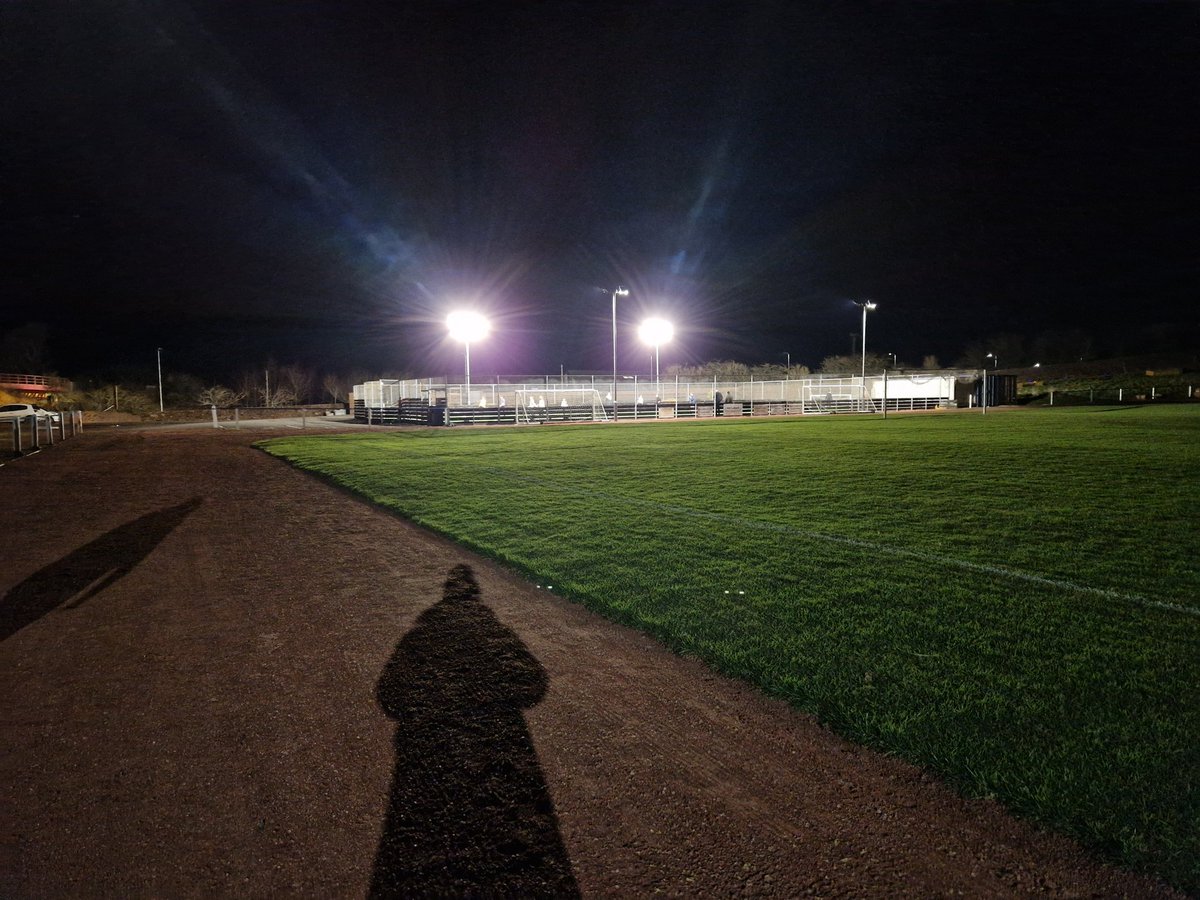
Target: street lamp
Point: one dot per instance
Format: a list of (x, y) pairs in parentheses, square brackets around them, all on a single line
[(995, 360), (467, 326), (895, 360), (160, 403), (656, 332), (867, 306), (789, 363), (618, 292)]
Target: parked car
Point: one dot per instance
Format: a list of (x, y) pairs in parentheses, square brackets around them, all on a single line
[(11, 411)]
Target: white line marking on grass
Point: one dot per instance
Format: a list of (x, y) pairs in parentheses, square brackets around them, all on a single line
[(779, 528)]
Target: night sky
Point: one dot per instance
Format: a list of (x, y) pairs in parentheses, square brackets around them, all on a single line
[(321, 182)]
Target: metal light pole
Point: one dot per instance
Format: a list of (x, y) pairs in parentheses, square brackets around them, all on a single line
[(160, 402), (866, 305), (619, 292), (789, 364)]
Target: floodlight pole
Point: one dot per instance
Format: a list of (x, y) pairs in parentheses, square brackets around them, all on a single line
[(618, 292), (160, 399), (866, 305), (464, 326), (862, 381), (657, 382), (467, 351)]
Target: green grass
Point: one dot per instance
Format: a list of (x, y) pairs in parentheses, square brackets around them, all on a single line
[(1010, 600)]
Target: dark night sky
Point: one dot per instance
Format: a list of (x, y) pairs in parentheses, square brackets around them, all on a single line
[(321, 182)]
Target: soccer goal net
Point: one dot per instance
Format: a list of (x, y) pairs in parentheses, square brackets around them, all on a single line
[(560, 404)]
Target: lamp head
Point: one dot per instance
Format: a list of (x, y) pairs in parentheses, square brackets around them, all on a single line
[(656, 331), (467, 326)]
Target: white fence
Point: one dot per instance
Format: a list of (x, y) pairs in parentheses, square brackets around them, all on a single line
[(675, 397)]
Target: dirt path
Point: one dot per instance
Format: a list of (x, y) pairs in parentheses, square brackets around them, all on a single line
[(213, 666)]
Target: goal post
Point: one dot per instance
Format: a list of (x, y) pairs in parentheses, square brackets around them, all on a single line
[(560, 404)]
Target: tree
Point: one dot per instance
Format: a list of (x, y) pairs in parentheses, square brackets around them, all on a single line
[(930, 362), (853, 365), (23, 349), (336, 387), (1062, 346), (1008, 351), (776, 372), (266, 385), (725, 369), (218, 395), (295, 381), (179, 388)]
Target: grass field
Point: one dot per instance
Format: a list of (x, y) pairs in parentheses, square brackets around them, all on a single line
[(1010, 600)]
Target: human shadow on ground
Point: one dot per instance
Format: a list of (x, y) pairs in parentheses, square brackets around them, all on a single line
[(469, 811), (85, 572)]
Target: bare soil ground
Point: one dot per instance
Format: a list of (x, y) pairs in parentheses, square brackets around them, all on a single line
[(219, 676)]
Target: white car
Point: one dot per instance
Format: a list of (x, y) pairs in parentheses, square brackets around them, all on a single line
[(11, 411)]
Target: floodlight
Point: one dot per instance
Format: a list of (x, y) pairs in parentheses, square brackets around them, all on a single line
[(467, 326), (656, 332)]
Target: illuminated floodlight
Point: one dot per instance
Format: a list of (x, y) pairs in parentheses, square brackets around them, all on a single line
[(656, 332), (467, 326)]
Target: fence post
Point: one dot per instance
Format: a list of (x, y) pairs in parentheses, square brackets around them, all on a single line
[(35, 443), (1120, 395), (49, 431), (303, 418), (16, 436), (1052, 398)]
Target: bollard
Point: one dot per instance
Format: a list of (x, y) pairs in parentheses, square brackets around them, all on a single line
[(214, 416), (49, 431), (35, 442), (16, 436), (62, 426)]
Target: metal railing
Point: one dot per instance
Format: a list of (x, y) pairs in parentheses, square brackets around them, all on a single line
[(38, 383), (591, 399), (30, 433)]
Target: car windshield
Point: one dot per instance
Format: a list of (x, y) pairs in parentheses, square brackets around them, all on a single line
[(13, 407)]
